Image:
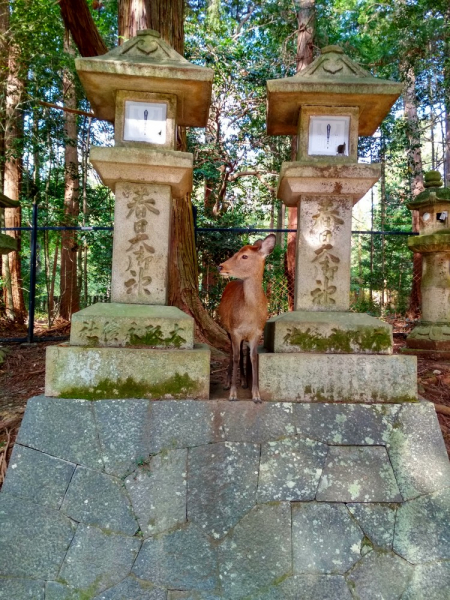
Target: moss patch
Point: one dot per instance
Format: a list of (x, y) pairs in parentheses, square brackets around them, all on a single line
[(177, 386), (347, 342)]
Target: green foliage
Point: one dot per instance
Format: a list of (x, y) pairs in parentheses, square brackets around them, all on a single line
[(236, 163)]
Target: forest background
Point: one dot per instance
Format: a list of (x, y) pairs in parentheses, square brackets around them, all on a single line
[(44, 151)]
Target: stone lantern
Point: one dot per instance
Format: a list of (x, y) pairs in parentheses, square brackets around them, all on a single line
[(137, 346), (7, 242), (321, 351), (431, 337)]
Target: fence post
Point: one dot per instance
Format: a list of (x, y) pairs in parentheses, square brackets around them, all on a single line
[(33, 245)]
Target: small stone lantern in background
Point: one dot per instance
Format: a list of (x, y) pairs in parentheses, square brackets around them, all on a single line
[(7, 242), (321, 350), (431, 337), (137, 346)]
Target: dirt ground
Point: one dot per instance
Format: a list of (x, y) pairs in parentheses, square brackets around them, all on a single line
[(22, 376)]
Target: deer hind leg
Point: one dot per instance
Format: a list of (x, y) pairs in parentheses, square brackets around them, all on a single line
[(253, 343), (236, 347), (243, 372)]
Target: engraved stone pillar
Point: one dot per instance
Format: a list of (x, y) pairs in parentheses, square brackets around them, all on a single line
[(141, 243), (323, 253)]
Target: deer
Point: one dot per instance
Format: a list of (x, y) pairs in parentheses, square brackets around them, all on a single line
[(243, 310)]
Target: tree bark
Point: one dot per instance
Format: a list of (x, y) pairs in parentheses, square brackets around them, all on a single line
[(305, 51), (167, 17), (12, 181), (416, 179), (78, 20), (132, 17), (69, 292)]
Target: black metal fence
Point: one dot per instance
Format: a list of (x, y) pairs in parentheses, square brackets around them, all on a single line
[(214, 245)]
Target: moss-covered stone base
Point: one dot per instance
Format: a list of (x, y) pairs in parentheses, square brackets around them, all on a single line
[(99, 373), (124, 325), (337, 378), (329, 332)]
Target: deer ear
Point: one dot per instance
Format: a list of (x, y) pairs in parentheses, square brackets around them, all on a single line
[(267, 245)]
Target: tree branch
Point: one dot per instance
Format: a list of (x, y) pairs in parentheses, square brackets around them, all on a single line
[(78, 20)]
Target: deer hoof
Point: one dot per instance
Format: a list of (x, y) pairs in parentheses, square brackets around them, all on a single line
[(233, 395), (257, 400)]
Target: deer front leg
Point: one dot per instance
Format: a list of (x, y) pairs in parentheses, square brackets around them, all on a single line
[(243, 373), (235, 348), (254, 362)]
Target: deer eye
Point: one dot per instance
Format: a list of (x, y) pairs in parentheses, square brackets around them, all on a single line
[(244, 256)]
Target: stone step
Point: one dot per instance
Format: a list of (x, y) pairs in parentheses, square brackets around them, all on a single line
[(94, 373), (328, 331), (201, 500), (306, 377), (115, 324)]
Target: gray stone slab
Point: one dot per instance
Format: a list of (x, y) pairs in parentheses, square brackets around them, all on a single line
[(248, 422), (133, 589), (21, 589), (34, 539), (290, 469), (304, 377), (98, 499), (177, 595), (158, 492), (380, 576), (377, 521), (58, 591), (182, 559), (97, 560), (37, 476), (308, 587), (431, 581), (180, 424), (123, 427), (325, 538), (63, 429), (358, 474), (222, 485), (347, 424), (257, 552), (422, 530), (417, 452)]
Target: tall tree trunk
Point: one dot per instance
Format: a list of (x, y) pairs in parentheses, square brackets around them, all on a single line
[(132, 17), (69, 292), (166, 16), (305, 50), (13, 172), (416, 179)]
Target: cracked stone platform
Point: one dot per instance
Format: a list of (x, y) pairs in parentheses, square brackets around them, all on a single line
[(210, 500)]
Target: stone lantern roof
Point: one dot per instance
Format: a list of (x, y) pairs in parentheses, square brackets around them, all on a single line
[(332, 79), (430, 197), (146, 63)]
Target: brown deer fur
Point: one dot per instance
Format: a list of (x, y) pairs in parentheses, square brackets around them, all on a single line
[(243, 307)]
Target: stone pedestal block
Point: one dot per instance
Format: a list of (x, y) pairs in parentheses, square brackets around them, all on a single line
[(118, 325), (304, 377), (329, 332), (141, 243), (94, 373), (322, 268)]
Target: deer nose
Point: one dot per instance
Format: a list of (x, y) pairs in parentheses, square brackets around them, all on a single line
[(219, 268)]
